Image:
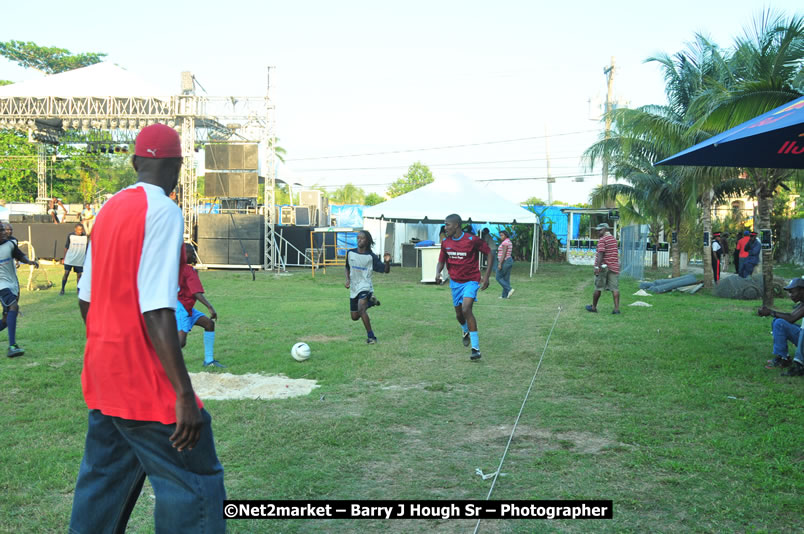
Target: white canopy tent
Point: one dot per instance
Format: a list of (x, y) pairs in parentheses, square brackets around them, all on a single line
[(456, 194), (98, 80)]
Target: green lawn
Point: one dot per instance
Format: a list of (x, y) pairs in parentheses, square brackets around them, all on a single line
[(667, 411)]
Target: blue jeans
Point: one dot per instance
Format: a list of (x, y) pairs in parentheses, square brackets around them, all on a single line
[(782, 333), (494, 263), (119, 453), (503, 276), (746, 268)]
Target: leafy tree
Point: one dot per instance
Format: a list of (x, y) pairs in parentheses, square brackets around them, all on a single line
[(17, 167), (5, 82), (372, 199), (348, 194), (50, 60), (533, 201), (418, 175)]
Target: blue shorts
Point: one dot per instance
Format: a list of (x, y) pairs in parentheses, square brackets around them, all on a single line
[(466, 290), (186, 321)]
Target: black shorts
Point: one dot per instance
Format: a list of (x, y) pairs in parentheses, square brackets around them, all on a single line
[(76, 268), (8, 298), (361, 295)]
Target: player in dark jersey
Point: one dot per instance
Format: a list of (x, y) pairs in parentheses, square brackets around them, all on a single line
[(460, 251), (10, 286), (361, 262)]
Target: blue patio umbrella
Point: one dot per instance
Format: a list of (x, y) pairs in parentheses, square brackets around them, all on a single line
[(774, 140)]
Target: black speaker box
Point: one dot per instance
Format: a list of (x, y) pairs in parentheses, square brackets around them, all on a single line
[(252, 247), (223, 157), (251, 184), (214, 251), (216, 157), (213, 226), (245, 226), (302, 216), (216, 184)]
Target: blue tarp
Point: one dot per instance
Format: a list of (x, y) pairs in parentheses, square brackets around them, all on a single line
[(348, 215), (552, 214)]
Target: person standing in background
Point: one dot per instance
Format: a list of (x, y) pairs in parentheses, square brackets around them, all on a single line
[(739, 252), (506, 263), (75, 249), (486, 236), (607, 268), (717, 253)]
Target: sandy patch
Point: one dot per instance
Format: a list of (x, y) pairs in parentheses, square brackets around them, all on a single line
[(223, 386)]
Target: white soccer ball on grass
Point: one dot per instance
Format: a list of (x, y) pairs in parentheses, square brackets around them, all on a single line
[(300, 352)]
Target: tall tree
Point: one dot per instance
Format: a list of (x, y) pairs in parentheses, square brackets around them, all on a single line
[(418, 175), (687, 74), (766, 71), (50, 60), (348, 194)]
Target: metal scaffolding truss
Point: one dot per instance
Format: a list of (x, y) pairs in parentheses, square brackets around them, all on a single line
[(198, 119)]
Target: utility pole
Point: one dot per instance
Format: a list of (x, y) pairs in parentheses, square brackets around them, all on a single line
[(609, 72), (550, 179)]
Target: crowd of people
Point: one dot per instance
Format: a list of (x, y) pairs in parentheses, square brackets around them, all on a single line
[(746, 256)]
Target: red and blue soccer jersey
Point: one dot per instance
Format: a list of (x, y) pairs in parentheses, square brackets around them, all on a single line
[(462, 257), (131, 267), (189, 285)]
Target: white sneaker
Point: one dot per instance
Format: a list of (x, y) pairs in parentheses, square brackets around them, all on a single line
[(511, 292)]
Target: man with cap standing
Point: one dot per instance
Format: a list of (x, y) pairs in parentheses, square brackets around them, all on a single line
[(607, 268), (751, 249), (144, 417), (784, 330)]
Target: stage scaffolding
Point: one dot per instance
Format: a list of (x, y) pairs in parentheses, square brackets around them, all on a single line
[(198, 119)]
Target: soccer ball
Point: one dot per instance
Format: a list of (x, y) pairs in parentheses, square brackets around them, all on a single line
[(300, 352)]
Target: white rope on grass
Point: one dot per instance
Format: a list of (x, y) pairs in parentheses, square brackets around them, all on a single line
[(516, 422)]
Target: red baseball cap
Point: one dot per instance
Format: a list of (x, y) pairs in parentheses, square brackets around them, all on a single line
[(158, 141)]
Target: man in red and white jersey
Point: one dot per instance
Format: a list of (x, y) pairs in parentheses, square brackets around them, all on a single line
[(144, 417), (460, 252), (607, 268)]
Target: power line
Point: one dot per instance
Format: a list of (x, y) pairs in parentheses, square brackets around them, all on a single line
[(446, 147), (525, 178), (390, 167)]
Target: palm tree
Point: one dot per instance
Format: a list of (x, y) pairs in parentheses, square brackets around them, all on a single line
[(766, 70), (652, 194), (687, 74), (651, 133), (348, 194)]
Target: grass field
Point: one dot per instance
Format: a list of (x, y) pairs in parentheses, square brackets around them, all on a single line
[(667, 411)]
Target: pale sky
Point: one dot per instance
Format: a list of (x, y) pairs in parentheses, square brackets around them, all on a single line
[(388, 78)]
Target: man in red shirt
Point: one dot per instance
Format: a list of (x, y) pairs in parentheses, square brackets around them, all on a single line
[(739, 251), (607, 268), (144, 417), (460, 251)]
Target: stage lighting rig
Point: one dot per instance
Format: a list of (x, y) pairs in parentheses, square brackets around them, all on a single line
[(47, 131)]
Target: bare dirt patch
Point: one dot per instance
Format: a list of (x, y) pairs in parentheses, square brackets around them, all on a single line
[(546, 440), (223, 386), (324, 339)]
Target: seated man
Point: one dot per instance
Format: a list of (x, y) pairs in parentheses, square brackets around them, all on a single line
[(785, 330)]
